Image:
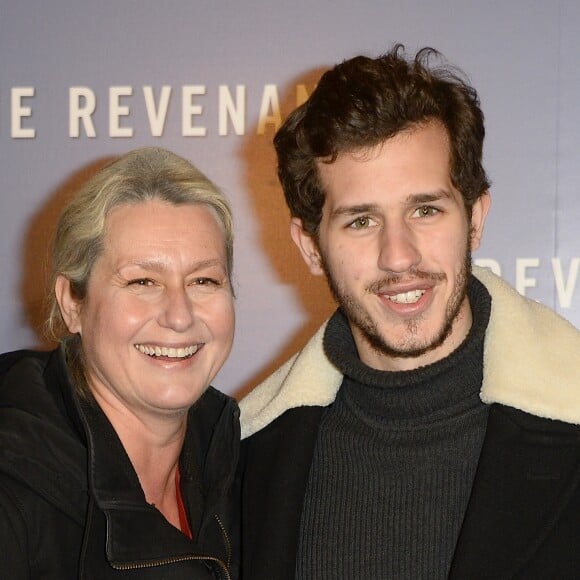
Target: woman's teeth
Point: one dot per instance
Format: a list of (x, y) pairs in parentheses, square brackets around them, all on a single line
[(171, 352)]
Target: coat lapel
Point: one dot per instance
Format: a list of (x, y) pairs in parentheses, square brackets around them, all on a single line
[(273, 492), (528, 469)]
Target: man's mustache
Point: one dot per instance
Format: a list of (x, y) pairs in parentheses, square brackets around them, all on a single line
[(411, 276)]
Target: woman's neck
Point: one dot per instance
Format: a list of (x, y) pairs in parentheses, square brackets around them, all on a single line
[(153, 443)]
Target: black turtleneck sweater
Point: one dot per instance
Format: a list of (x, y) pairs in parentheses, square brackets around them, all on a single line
[(394, 462)]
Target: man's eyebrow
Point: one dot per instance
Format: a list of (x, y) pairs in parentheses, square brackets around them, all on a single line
[(348, 210), (429, 196)]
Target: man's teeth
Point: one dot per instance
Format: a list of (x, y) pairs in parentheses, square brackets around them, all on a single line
[(407, 297), (167, 352)]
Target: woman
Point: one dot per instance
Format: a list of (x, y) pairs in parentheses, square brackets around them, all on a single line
[(116, 458)]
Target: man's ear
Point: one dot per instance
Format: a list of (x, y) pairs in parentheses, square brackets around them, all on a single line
[(478, 215), (70, 307), (307, 246)]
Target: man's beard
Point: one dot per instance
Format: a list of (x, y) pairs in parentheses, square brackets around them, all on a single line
[(359, 318)]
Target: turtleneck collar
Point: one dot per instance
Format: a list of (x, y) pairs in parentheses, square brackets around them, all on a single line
[(448, 386)]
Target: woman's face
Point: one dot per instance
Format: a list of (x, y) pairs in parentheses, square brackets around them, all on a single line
[(157, 322)]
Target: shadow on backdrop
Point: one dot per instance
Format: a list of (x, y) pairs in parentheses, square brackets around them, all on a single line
[(37, 248), (273, 217)]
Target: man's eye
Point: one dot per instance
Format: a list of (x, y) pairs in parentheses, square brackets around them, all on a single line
[(361, 223), (426, 211)]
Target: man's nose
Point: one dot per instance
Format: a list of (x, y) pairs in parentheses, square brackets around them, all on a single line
[(398, 251)]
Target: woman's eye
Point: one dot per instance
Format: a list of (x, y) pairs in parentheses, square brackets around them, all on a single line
[(206, 282), (141, 282)]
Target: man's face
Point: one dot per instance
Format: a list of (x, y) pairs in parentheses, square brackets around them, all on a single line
[(395, 244)]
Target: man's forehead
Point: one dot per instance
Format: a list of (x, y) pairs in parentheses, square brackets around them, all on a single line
[(367, 152)]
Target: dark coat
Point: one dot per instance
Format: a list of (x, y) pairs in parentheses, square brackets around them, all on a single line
[(523, 518), (71, 505)]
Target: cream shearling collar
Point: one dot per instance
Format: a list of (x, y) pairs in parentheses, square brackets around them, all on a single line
[(531, 362)]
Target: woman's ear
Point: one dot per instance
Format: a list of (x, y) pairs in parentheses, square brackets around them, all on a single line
[(70, 307)]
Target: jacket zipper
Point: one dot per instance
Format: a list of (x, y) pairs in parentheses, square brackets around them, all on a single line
[(176, 559), (226, 541)]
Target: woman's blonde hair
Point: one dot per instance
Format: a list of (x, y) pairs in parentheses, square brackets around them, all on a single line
[(136, 177)]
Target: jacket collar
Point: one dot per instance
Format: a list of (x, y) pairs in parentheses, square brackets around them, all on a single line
[(137, 534), (40, 442), (531, 363)]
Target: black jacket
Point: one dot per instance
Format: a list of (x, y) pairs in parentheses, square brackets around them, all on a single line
[(523, 518), (71, 505)]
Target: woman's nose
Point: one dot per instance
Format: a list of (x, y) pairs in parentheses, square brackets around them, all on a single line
[(177, 311)]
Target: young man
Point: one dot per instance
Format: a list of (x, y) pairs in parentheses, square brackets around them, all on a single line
[(430, 428)]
